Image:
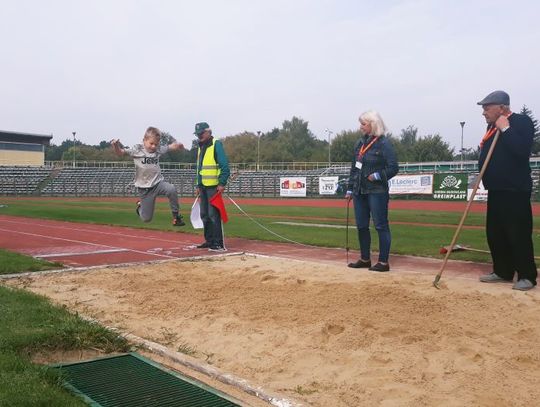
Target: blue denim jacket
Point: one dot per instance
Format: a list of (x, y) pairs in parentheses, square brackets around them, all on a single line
[(380, 158)]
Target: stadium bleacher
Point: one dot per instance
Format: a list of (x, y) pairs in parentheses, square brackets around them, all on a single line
[(22, 180), (118, 181)]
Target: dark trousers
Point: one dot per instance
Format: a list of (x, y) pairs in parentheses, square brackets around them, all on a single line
[(210, 216), (509, 234), (373, 205)]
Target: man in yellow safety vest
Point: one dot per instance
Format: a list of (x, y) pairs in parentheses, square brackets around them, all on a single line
[(211, 178)]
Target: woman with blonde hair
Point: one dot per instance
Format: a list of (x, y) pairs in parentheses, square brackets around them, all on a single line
[(373, 164)]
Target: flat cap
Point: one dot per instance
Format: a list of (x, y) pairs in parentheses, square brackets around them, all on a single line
[(498, 97)]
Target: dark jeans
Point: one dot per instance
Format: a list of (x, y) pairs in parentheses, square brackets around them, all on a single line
[(509, 234), (372, 205), (213, 234)]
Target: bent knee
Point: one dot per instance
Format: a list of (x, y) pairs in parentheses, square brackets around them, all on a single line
[(170, 190)]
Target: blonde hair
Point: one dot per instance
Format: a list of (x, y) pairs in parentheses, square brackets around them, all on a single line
[(378, 128), (152, 132)]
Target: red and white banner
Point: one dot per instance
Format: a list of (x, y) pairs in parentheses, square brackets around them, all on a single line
[(292, 186)]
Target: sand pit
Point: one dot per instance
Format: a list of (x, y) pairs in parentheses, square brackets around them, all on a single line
[(325, 335)]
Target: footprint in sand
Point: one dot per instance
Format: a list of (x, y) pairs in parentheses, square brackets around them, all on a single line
[(379, 360), (332, 329)]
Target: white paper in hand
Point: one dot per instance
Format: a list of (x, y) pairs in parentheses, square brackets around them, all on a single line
[(195, 216)]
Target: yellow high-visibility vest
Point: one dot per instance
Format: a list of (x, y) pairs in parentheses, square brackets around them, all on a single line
[(209, 170)]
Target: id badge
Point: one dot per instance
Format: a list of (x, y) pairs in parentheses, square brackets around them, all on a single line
[(359, 165)]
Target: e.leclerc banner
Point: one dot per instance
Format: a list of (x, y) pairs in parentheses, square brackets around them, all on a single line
[(411, 184)]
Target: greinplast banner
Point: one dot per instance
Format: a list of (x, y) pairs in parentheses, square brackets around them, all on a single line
[(450, 186)]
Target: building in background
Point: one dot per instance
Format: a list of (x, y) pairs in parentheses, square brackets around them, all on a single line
[(22, 148)]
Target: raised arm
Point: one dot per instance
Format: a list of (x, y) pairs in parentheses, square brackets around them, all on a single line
[(117, 147)]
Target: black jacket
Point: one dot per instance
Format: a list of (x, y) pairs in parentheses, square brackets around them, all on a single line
[(509, 169)]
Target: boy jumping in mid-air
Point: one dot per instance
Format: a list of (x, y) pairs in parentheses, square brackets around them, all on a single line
[(148, 178)]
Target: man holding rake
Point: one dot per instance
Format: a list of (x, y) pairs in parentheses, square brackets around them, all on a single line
[(508, 180)]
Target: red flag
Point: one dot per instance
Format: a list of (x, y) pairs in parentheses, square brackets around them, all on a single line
[(217, 202)]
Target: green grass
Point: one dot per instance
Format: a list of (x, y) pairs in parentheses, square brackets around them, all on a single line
[(30, 323), (17, 263), (407, 239)]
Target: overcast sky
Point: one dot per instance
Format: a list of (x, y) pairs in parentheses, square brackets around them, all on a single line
[(109, 69)]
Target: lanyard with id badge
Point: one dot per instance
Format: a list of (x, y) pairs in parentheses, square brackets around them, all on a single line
[(363, 150)]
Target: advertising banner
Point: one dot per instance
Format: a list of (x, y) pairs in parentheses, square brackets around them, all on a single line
[(292, 186), (411, 184), (328, 185), (450, 187), (481, 192)]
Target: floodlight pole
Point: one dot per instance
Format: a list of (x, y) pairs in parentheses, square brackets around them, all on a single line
[(462, 125), (73, 132), (258, 143), (329, 155)]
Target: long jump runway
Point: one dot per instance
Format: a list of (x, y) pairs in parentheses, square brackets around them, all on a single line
[(82, 245)]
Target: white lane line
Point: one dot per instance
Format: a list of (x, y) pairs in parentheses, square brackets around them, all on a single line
[(116, 265), (88, 243), (93, 231), (314, 225), (44, 256)]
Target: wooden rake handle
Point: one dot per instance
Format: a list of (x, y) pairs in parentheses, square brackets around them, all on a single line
[(467, 208)]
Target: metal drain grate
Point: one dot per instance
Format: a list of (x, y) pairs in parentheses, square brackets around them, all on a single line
[(130, 380)]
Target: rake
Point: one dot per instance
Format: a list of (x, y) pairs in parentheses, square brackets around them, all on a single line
[(467, 208), (460, 248)]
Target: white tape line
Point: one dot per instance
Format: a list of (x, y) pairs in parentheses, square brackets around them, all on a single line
[(44, 256)]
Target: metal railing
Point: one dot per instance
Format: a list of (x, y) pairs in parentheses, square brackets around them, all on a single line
[(407, 167), (115, 178)]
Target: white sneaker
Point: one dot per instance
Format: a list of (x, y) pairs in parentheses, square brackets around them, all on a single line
[(492, 278), (523, 285), (217, 249)]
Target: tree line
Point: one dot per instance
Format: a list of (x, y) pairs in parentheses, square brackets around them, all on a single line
[(293, 141)]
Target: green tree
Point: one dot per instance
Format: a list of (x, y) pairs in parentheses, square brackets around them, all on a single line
[(241, 148), (536, 141), (297, 140), (103, 145), (292, 142), (432, 148), (407, 140), (342, 146), (186, 155), (55, 153), (471, 153)]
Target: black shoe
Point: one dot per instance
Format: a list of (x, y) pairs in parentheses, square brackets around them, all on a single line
[(204, 245), (360, 264), (178, 221), (138, 208), (380, 267)]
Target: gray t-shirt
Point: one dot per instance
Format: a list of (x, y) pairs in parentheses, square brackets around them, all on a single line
[(147, 171)]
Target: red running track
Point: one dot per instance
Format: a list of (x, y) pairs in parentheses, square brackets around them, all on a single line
[(79, 245)]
